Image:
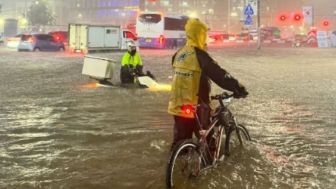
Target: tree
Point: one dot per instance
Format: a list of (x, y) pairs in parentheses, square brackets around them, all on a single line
[(39, 14)]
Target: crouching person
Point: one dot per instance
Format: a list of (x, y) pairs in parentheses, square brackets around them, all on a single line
[(131, 65)]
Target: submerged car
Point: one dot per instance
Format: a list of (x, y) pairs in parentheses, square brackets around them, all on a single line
[(40, 42)]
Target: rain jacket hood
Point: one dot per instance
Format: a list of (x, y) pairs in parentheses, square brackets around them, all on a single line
[(196, 32)]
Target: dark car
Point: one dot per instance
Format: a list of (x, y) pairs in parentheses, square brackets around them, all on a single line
[(40, 42), (61, 36), (270, 33)]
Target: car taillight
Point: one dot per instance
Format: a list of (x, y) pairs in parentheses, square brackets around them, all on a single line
[(161, 39), (30, 40), (58, 38)]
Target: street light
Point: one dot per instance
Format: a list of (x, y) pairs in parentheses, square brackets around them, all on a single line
[(23, 22), (193, 14), (2, 21), (335, 16)]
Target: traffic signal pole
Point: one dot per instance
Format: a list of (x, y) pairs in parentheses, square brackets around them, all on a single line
[(258, 25)]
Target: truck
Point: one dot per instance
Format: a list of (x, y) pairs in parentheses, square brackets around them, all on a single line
[(86, 38)]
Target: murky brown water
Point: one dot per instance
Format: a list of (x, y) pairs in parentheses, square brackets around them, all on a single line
[(59, 130)]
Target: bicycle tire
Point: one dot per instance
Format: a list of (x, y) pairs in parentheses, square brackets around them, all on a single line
[(240, 128), (245, 132), (187, 152)]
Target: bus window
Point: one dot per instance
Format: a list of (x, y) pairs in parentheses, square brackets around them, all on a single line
[(150, 18), (174, 23)]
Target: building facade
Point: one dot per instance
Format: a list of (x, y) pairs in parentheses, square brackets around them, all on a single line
[(102, 11), (14, 9), (220, 15), (203, 9)]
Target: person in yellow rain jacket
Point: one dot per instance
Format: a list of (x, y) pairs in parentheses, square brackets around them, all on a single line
[(131, 64), (193, 68)]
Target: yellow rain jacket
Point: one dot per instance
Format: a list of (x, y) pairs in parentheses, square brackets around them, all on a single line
[(187, 71)]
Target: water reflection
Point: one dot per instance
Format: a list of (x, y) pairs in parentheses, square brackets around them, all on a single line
[(66, 132)]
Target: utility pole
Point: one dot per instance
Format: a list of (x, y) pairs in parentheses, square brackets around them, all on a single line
[(228, 18), (258, 25)]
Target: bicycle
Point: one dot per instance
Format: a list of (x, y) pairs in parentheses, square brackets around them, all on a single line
[(189, 158)]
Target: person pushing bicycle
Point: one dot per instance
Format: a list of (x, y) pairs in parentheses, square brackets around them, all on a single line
[(193, 68)]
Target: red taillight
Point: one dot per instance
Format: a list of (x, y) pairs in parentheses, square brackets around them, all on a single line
[(188, 109), (161, 39), (30, 40)]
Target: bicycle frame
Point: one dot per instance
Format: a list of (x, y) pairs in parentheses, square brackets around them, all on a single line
[(204, 133), (208, 147)]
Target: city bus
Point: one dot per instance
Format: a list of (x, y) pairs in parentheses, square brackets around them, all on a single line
[(154, 30)]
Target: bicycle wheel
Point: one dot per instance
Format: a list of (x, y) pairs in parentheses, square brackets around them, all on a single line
[(240, 133), (184, 163)]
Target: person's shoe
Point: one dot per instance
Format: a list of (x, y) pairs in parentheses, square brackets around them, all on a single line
[(149, 74)]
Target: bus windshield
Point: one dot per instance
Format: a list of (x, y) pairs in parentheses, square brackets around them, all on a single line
[(150, 18)]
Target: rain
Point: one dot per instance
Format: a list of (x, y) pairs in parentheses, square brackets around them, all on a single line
[(62, 126)]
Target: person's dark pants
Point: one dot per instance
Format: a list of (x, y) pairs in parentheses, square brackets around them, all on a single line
[(125, 75), (185, 127)]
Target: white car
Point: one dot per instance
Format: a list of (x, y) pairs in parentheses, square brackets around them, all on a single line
[(13, 42)]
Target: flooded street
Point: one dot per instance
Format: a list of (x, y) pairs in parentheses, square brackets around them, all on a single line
[(58, 129)]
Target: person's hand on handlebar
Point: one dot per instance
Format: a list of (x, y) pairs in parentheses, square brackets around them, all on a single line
[(240, 92)]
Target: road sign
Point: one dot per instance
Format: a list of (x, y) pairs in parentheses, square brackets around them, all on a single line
[(308, 15), (248, 10), (253, 3), (248, 20)]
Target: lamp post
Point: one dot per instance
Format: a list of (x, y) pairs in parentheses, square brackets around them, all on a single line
[(228, 16), (334, 23), (258, 25)]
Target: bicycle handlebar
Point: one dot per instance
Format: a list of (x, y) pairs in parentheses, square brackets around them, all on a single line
[(222, 96)]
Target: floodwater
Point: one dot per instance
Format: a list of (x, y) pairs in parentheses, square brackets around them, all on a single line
[(58, 129)]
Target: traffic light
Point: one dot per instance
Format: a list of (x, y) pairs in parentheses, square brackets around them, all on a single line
[(282, 18), (325, 24), (297, 17)]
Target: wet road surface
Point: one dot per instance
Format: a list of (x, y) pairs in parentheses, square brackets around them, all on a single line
[(59, 130)]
